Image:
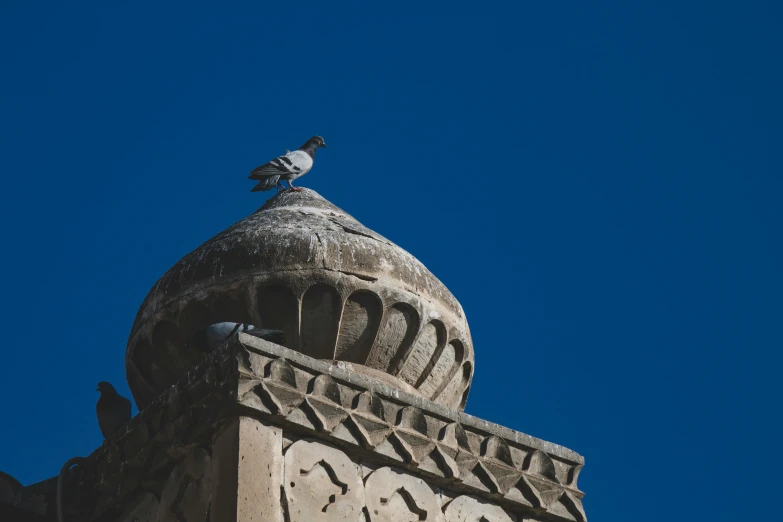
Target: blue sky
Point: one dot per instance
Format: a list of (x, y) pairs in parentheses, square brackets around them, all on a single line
[(599, 184)]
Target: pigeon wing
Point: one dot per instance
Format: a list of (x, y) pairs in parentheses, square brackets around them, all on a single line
[(284, 165), (273, 336), (266, 183)]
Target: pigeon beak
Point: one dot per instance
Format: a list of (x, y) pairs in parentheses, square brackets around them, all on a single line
[(323, 144)]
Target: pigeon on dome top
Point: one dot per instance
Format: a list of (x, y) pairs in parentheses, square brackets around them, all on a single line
[(287, 167)]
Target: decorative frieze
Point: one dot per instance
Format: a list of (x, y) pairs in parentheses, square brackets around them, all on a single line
[(348, 446), (383, 423)]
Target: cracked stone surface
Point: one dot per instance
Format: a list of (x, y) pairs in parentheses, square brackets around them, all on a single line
[(337, 289)]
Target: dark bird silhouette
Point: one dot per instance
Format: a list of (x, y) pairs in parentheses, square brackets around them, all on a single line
[(113, 410), (287, 167)]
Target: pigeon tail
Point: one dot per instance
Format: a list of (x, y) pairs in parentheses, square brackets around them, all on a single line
[(273, 336), (218, 333), (266, 183)]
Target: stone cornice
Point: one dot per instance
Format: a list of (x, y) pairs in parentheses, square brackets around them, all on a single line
[(340, 371)]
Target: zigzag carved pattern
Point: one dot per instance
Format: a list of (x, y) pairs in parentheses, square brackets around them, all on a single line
[(486, 465)]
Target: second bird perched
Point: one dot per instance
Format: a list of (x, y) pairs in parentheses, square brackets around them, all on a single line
[(113, 410), (287, 167)]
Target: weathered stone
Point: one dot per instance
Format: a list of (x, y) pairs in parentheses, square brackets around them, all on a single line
[(376, 426), (394, 496), (8, 487), (247, 472), (144, 509), (321, 481), (187, 492), (470, 509), (337, 289)]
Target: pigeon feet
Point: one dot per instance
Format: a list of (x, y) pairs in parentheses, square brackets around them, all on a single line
[(295, 189)]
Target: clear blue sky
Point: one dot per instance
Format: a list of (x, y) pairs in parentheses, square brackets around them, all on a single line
[(599, 183)]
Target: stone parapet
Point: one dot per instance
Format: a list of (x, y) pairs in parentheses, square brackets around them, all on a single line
[(261, 432)]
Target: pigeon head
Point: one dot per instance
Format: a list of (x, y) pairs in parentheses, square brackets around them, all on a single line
[(105, 387), (313, 144), (317, 141)]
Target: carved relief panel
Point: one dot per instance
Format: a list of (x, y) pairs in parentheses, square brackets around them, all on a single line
[(393, 496), (321, 483)]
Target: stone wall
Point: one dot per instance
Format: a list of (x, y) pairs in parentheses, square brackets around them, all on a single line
[(260, 432), (256, 472)]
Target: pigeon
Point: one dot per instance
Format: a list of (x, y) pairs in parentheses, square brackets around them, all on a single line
[(218, 333), (287, 167), (113, 410)]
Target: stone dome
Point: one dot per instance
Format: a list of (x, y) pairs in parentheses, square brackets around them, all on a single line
[(339, 291)]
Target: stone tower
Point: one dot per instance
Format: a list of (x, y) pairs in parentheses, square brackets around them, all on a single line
[(357, 417)]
